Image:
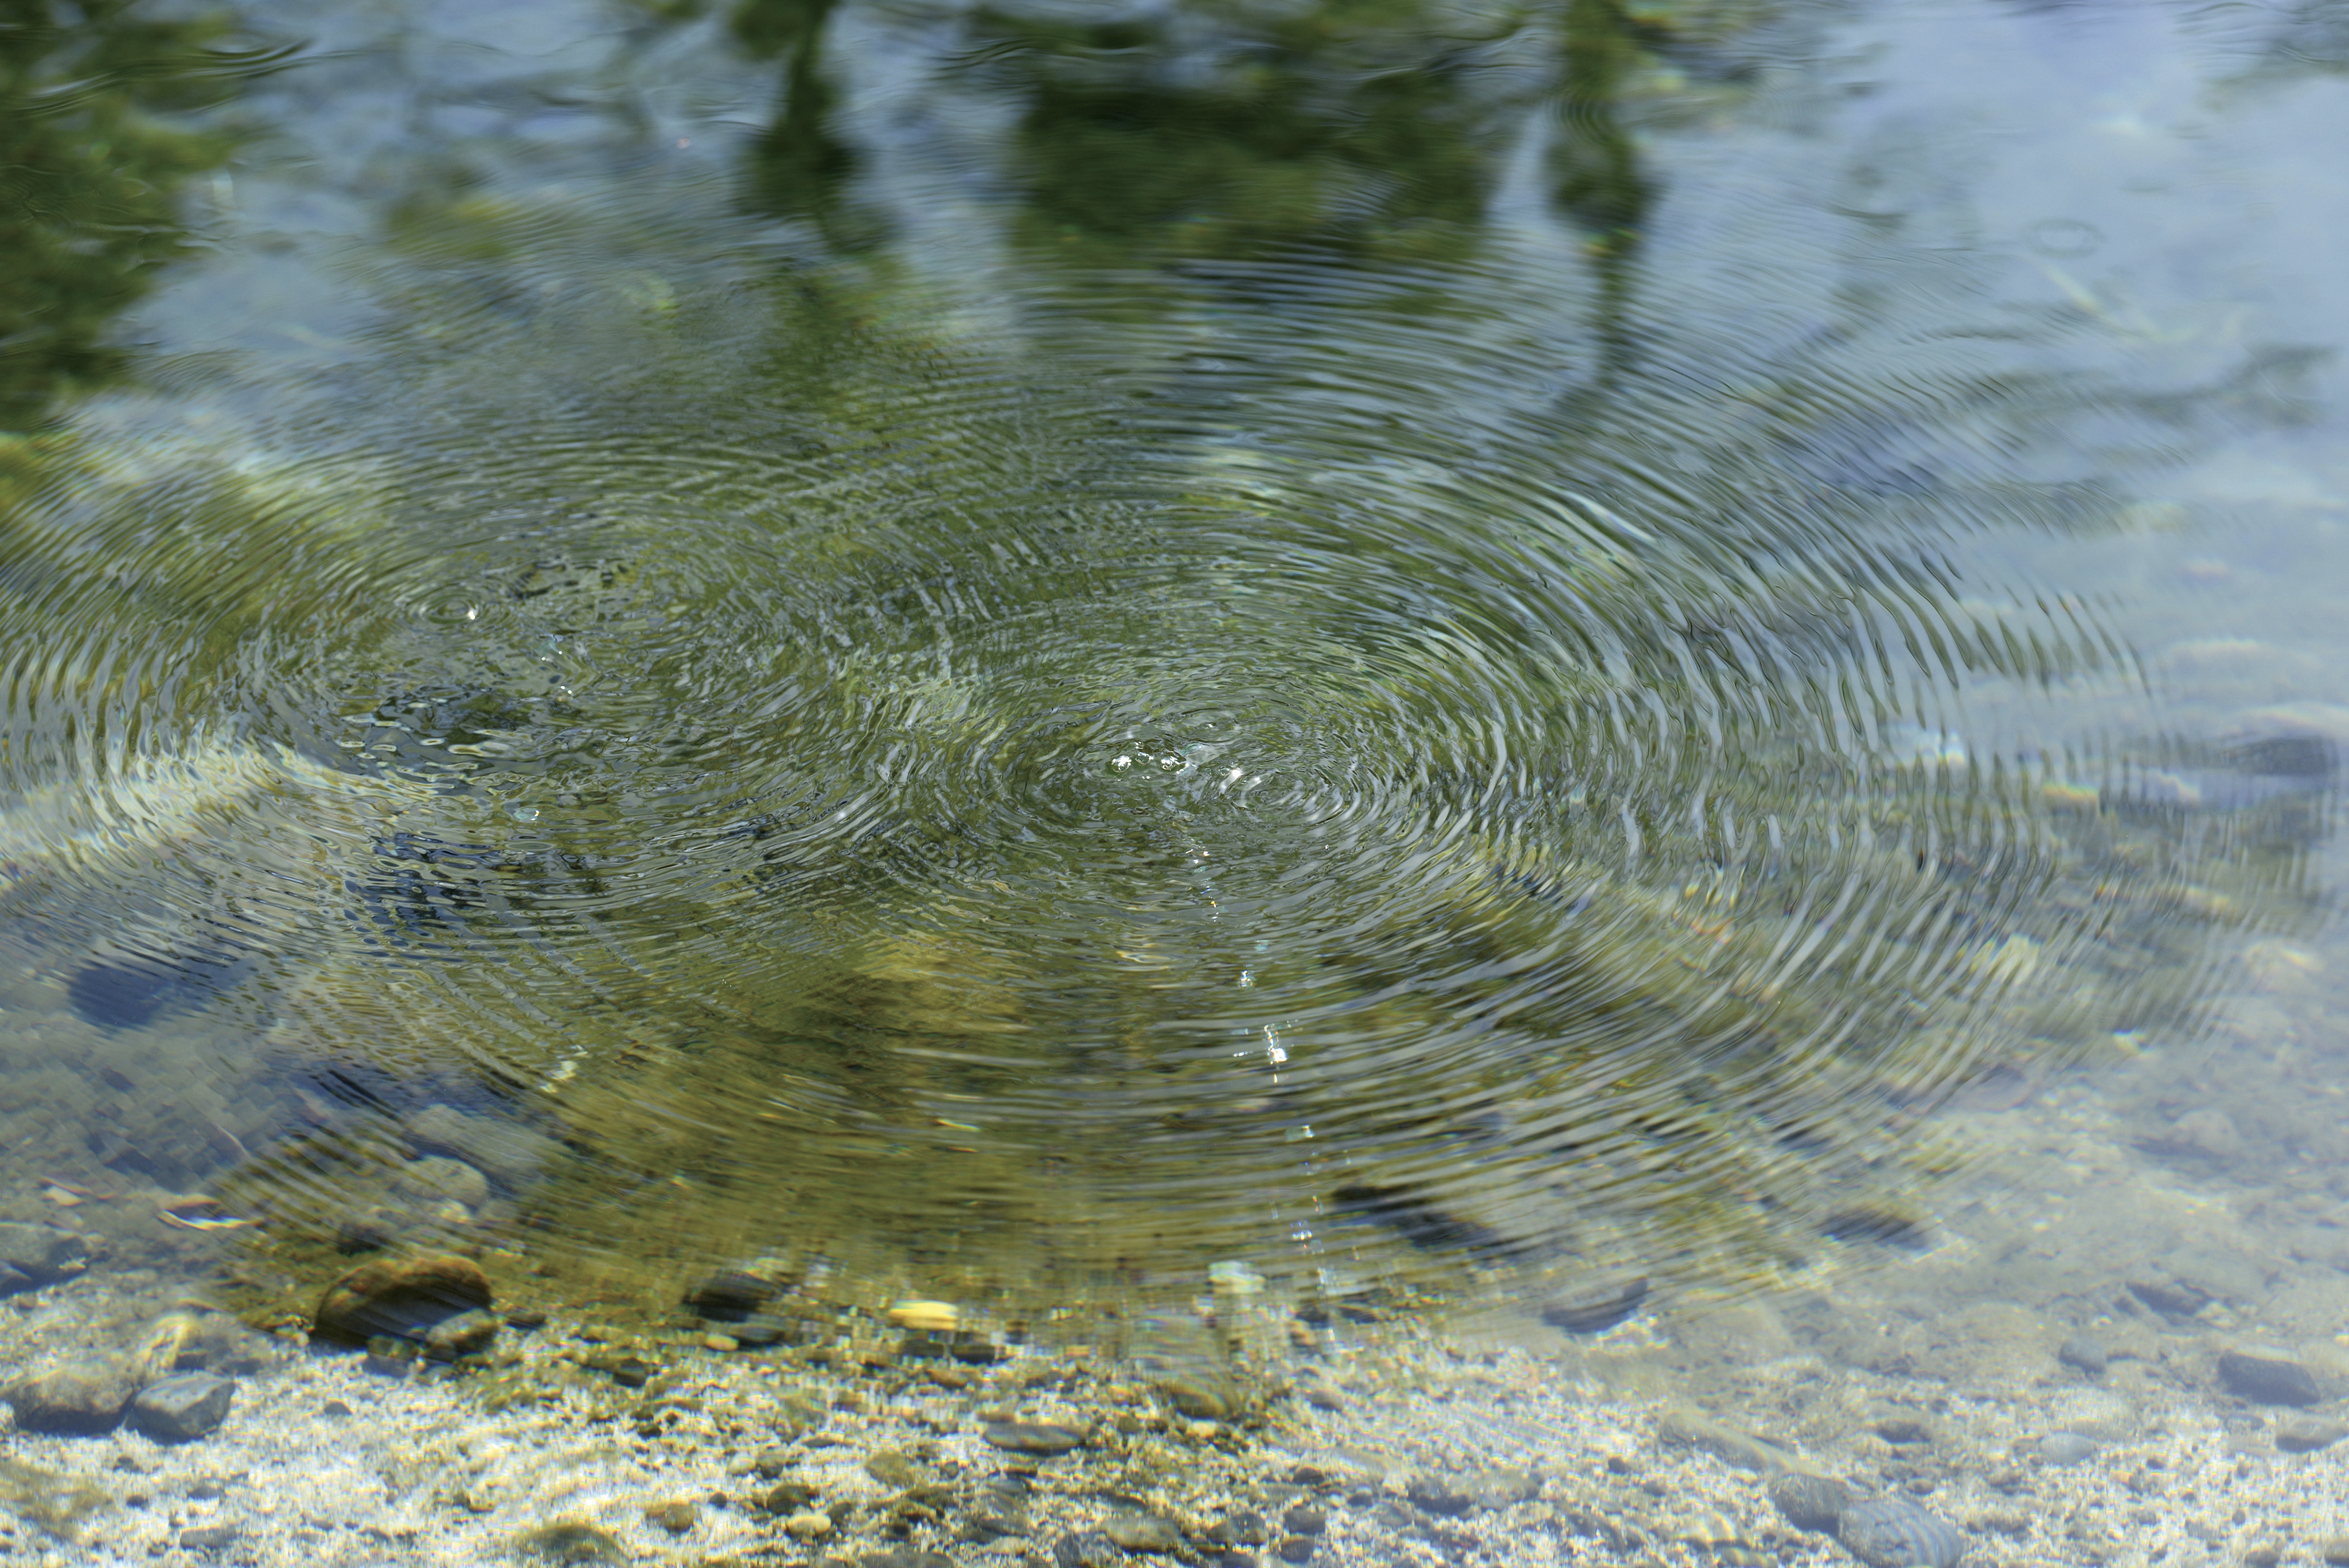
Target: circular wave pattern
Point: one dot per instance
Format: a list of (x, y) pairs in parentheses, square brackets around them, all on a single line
[(1314, 774)]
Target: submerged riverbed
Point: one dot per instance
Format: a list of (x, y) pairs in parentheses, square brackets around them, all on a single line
[(1374, 660)]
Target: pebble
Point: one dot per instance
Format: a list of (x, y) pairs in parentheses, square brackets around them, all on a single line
[(2335, 1549), (467, 1334), (182, 1409), (2267, 1378), (1437, 1494), (2083, 1353), (1296, 1549), (436, 1178), (2306, 1433), (730, 1296), (1245, 1528), (1595, 1306), (400, 1297), (1894, 1532), (2066, 1449), (904, 1557), (41, 1253), (1305, 1522), (1809, 1501), (2171, 1298), (926, 1317), (1032, 1438), (789, 1498), (809, 1525), (893, 1469), (1198, 1396), (1085, 1549), (1142, 1533), (508, 1152), (82, 1395), (1682, 1427), (208, 1537), (570, 1543), (676, 1518)]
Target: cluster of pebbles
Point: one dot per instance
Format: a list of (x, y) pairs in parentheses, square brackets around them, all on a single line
[(415, 1420), (2128, 1344)]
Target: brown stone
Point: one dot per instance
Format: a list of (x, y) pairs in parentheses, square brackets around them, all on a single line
[(402, 1298)]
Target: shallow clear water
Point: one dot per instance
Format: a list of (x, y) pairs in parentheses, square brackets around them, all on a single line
[(1430, 650)]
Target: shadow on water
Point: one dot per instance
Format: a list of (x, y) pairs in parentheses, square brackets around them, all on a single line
[(1303, 640)]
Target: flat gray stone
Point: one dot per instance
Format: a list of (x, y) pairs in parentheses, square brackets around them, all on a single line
[(1032, 1437), (2083, 1353), (2267, 1378), (2306, 1433), (182, 1409), (84, 1395), (1142, 1533), (2067, 1449)]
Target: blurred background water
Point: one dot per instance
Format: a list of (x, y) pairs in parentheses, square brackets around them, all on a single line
[(1016, 650)]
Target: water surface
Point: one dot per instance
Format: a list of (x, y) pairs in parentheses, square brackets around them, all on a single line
[(1021, 651)]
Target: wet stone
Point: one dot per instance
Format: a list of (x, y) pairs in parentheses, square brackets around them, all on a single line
[(1439, 1494), (1595, 1306), (1242, 1529), (904, 1557), (2267, 1378), (2086, 1354), (467, 1334), (2335, 1550), (2307, 1433), (1296, 1548), (1032, 1438), (182, 1409), (1894, 1532), (569, 1543), (1200, 1396), (1142, 1533), (1305, 1522), (438, 1179), (676, 1518), (1810, 1502), (507, 1152), (84, 1395), (789, 1497), (1085, 1549), (761, 1328), (771, 1463), (2066, 1449), (39, 1254), (399, 1297), (208, 1538), (2171, 1298), (729, 1297), (893, 1469)]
